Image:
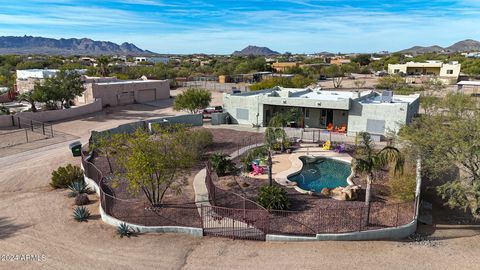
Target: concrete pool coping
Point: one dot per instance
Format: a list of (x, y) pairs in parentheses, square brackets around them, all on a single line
[(297, 165)]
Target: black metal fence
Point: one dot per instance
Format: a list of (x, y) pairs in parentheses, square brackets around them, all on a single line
[(234, 216)]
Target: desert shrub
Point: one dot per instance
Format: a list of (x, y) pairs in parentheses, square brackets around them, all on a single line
[(64, 176), (273, 197), (77, 187), (221, 164), (402, 186), (81, 213), (202, 138), (125, 230)]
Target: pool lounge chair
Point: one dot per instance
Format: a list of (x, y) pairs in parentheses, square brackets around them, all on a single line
[(257, 169)]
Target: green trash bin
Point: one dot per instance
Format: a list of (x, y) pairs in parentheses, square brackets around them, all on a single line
[(76, 148)]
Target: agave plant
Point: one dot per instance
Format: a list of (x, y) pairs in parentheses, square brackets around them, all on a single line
[(76, 188), (124, 230), (81, 213)]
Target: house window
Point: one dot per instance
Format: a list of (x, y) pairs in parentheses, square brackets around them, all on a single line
[(449, 71), (396, 71)]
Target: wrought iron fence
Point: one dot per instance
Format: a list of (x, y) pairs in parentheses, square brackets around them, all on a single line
[(234, 216)]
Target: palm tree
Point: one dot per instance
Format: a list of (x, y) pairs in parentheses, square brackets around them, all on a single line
[(28, 97), (273, 134), (102, 62), (367, 161)]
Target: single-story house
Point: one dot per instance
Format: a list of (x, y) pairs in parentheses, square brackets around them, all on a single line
[(358, 111)]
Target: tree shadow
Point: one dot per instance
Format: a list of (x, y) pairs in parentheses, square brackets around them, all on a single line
[(8, 228)]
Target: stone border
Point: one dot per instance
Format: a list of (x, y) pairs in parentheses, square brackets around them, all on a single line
[(395, 233)]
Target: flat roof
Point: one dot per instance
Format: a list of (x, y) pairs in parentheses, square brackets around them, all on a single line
[(129, 82), (395, 99), (472, 83)]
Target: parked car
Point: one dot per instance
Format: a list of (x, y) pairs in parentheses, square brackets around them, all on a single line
[(207, 112), (381, 73), (322, 78)]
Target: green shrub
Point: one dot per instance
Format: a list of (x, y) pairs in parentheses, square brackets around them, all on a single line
[(81, 213), (221, 164), (402, 186), (64, 176), (76, 188), (273, 197), (125, 230)]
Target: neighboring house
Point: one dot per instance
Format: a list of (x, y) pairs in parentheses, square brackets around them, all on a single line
[(365, 110), (469, 87), (447, 73), (117, 93), (152, 60), (27, 78), (339, 60), (284, 66)]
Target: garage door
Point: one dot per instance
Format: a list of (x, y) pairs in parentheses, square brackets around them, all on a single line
[(145, 95), (125, 98)]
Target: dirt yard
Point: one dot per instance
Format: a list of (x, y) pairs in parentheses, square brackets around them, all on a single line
[(36, 220)]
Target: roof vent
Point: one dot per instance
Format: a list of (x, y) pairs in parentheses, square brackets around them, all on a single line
[(387, 96)]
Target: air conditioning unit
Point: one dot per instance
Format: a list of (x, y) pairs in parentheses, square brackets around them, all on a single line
[(387, 96)]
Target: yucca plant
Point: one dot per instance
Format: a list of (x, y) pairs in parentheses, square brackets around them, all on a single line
[(124, 230), (76, 188), (81, 214)]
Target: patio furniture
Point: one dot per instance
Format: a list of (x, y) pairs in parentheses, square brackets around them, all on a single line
[(330, 127), (327, 145), (342, 129), (257, 169), (340, 148)]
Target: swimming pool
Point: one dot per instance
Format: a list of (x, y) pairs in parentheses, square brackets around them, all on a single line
[(320, 172)]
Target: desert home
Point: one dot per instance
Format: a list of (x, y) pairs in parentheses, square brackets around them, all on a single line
[(284, 66), (27, 78), (345, 111), (446, 72), (117, 92)]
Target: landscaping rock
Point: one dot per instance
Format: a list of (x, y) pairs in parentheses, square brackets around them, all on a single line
[(82, 199), (325, 192)]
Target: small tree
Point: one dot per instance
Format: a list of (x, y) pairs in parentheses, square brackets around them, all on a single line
[(193, 100), (155, 164), (221, 164), (336, 73), (367, 161), (62, 88)]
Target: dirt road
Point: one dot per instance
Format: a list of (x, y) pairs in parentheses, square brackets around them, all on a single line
[(36, 220)]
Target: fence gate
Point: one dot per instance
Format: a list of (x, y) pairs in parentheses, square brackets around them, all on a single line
[(232, 223)]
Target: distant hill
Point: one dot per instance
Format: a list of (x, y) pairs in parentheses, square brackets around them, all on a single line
[(254, 50), (467, 45), (71, 46)]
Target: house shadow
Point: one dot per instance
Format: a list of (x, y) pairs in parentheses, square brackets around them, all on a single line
[(9, 228)]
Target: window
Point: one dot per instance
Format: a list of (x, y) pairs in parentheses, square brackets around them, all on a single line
[(307, 113), (449, 71), (396, 71)]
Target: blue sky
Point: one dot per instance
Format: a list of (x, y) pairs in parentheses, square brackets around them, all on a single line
[(198, 26)]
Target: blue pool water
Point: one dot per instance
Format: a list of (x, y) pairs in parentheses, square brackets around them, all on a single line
[(318, 173)]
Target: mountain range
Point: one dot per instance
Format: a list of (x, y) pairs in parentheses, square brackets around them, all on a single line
[(71, 46), (256, 51), (467, 45)]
